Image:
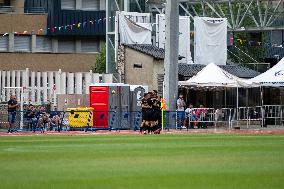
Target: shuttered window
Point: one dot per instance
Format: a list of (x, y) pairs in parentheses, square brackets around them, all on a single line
[(66, 46), (22, 44), (4, 42), (68, 4), (90, 4), (43, 44), (89, 45)]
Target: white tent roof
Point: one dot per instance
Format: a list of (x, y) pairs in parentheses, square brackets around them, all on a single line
[(214, 76), (273, 77)]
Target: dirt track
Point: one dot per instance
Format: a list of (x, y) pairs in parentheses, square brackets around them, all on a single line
[(195, 131)]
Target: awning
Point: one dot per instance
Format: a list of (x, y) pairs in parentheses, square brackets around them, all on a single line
[(214, 76), (274, 77)]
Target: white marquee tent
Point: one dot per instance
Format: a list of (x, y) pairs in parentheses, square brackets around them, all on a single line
[(214, 76), (274, 77)]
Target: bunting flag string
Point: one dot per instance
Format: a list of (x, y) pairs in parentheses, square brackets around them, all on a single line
[(53, 29), (255, 43), (83, 25), (242, 42)]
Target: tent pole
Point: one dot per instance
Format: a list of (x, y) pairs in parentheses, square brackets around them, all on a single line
[(237, 105), (262, 108), (261, 93), (280, 95), (225, 97), (247, 99), (247, 107)]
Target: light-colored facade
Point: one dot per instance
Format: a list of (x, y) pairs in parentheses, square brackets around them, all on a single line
[(25, 42), (142, 69)]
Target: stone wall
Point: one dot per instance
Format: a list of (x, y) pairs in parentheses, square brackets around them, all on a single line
[(121, 62)]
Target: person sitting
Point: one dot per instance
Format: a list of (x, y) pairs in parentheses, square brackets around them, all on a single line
[(201, 115), (55, 120), (43, 120), (32, 116), (190, 117)]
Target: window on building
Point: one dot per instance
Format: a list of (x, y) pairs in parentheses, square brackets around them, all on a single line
[(89, 45), (4, 43), (68, 4), (5, 2), (66, 46), (22, 43), (90, 4), (43, 44), (276, 37), (5, 6)]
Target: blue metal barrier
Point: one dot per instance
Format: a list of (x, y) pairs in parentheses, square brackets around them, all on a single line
[(131, 120)]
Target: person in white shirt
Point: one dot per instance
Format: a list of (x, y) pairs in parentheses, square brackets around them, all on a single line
[(190, 117), (180, 112)]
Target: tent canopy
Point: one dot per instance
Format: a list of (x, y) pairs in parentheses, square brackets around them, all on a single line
[(274, 77), (214, 76)]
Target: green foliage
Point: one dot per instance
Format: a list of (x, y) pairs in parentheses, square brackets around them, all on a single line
[(100, 66), (256, 49), (182, 161)]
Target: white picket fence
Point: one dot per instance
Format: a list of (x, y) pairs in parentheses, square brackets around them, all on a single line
[(44, 86)]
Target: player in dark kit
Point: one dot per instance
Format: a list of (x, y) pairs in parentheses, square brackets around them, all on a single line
[(156, 115), (146, 113), (150, 114), (12, 108)]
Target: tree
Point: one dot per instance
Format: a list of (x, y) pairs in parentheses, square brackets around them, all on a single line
[(100, 66)]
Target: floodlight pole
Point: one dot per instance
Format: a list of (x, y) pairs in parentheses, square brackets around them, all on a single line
[(108, 13), (171, 54)]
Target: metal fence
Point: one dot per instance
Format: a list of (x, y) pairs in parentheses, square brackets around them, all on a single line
[(249, 116), (197, 118), (51, 121), (35, 10), (273, 114)]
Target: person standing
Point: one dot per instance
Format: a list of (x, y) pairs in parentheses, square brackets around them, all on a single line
[(146, 113), (180, 112), (12, 108)]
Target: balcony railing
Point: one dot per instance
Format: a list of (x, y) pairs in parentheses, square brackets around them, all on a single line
[(35, 10), (71, 18), (6, 9)]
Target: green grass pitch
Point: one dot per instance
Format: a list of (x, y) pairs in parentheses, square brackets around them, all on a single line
[(135, 161)]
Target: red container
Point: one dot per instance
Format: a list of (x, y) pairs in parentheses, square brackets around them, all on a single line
[(99, 101), (111, 105)]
